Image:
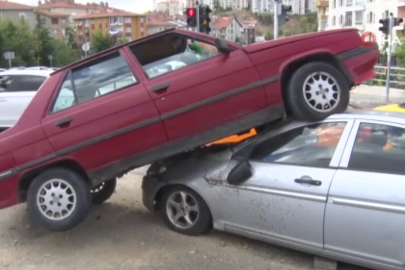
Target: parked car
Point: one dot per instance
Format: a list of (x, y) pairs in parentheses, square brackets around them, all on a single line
[(331, 188), (17, 88), (38, 68), (118, 118)]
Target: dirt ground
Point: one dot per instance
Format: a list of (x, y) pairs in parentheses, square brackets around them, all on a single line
[(122, 235)]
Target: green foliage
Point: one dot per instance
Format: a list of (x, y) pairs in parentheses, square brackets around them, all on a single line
[(102, 41), (400, 52), (32, 46), (269, 36)]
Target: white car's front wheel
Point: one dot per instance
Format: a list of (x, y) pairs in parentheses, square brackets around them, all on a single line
[(184, 211)]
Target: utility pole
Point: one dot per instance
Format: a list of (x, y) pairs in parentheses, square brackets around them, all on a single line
[(197, 7), (275, 19), (387, 79)]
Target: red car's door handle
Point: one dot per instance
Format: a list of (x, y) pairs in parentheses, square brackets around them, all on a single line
[(160, 87), (64, 121)]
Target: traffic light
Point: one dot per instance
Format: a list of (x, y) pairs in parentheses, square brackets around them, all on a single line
[(398, 21), (205, 19), (385, 28), (285, 9), (191, 17), (283, 14)]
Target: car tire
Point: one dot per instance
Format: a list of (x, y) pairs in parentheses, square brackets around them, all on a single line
[(198, 211), (313, 84), (59, 199), (103, 191)]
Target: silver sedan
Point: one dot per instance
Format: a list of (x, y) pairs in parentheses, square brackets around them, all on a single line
[(334, 188)]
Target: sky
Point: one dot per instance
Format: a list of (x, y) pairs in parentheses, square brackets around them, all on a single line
[(136, 6)]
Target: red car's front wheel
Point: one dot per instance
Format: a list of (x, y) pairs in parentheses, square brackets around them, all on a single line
[(317, 90)]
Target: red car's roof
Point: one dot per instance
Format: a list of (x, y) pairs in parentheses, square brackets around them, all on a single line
[(174, 30)]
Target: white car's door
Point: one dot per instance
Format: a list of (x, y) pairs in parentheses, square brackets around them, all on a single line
[(365, 213), (284, 201), (15, 96)]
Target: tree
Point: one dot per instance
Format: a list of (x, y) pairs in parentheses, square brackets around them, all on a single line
[(64, 54), (100, 41), (70, 37), (43, 42), (18, 38)]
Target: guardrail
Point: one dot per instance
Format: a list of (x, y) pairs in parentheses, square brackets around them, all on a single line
[(397, 78)]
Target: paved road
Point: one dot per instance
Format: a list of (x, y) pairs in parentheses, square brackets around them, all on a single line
[(122, 234)]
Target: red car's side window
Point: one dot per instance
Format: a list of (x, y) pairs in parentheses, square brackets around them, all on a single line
[(99, 77), (170, 52)]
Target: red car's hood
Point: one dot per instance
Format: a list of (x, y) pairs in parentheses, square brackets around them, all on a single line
[(255, 47)]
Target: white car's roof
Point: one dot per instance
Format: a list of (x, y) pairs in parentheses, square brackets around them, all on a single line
[(44, 73), (395, 117)]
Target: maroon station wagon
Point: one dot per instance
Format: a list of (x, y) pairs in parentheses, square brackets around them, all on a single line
[(98, 118)]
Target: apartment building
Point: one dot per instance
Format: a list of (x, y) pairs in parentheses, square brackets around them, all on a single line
[(362, 14), (121, 23), (261, 6), (56, 22), (72, 8), (171, 7), (228, 28), (15, 12), (156, 25)]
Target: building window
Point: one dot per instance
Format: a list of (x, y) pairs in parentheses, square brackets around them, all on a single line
[(370, 17), (128, 20), (100, 20), (91, 21), (349, 3), (349, 18), (128, 30), (142, 29), (358, 18), (333, 21), (86, 23), (386, 14), (22, 15), (341, 20), (55, 31), (141, 20), (334, 3), (54, 21), (341, 3)]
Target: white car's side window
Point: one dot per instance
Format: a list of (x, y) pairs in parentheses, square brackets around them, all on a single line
[(378, 148)]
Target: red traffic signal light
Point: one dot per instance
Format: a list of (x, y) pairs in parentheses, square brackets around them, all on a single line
[(191, 12), (191, 17)]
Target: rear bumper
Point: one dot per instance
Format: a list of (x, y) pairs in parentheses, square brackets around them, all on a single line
[(360, 63)]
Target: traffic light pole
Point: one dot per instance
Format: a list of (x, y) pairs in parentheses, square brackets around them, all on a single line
[(275, 19), (197, 6), (387, 79)]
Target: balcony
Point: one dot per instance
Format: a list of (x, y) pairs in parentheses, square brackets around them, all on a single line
[(323, 4)]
